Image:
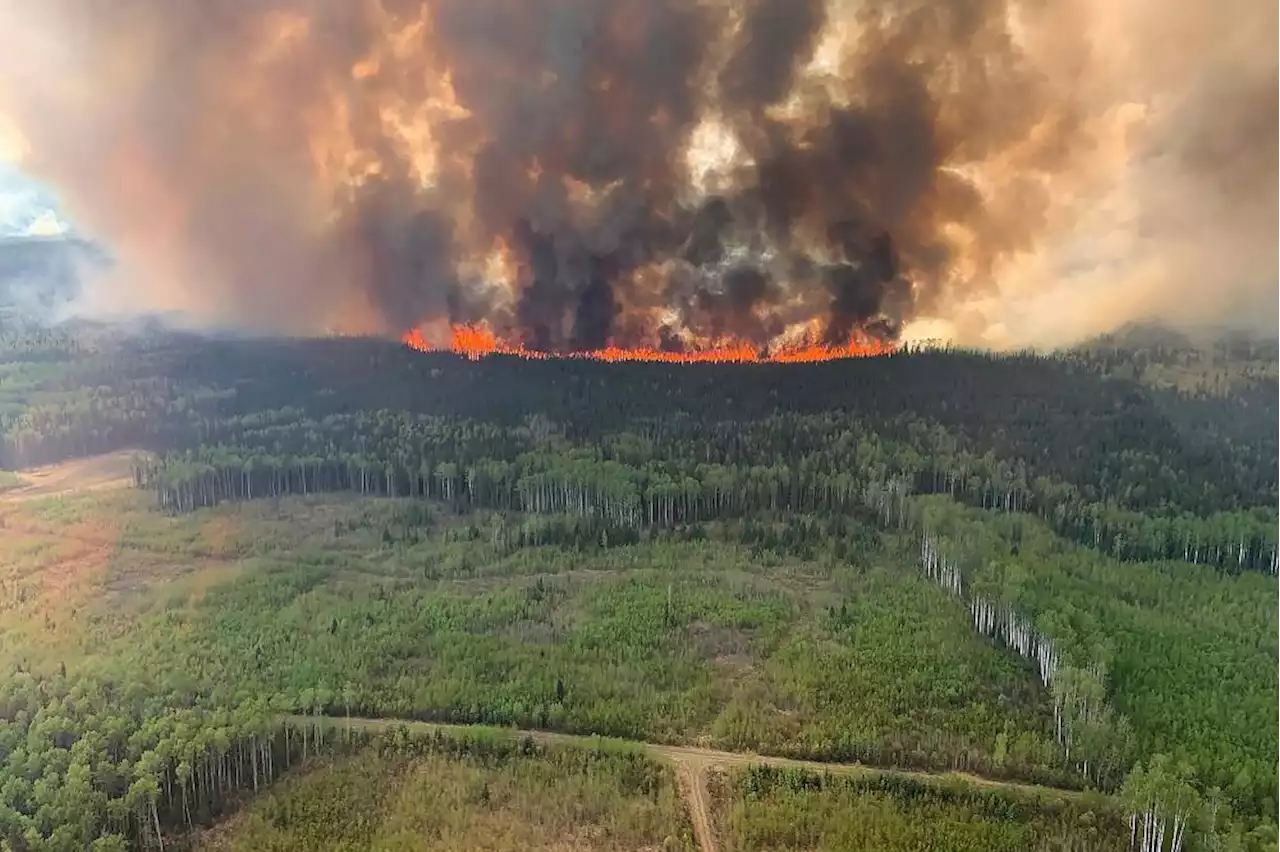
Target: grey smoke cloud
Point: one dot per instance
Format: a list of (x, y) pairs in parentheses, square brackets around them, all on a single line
[(1009, 172)]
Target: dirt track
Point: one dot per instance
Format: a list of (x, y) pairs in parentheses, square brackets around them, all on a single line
[(95, 473), (692, 765)]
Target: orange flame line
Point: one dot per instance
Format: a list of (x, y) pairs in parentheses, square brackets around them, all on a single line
[(476, 342)]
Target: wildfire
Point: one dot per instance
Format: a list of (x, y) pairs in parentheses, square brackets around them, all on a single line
[(477, 341)]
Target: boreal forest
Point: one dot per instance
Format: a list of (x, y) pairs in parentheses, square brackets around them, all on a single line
[(336, 593)]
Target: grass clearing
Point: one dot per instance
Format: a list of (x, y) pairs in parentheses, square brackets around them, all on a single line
[(402, 609), (105, 472), (10, 481), (766, 808), (561, 799), (661, 640)]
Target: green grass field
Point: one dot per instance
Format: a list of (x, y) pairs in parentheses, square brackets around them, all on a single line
[(563, 799), (763, 808), (383, 608)]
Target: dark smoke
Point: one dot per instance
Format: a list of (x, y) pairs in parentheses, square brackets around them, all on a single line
[(266, 153)]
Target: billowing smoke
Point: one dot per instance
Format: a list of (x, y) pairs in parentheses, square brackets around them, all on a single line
[(667, 173), (1173, 216), (40, 274)]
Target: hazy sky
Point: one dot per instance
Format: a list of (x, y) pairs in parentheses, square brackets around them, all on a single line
[(26, 205)]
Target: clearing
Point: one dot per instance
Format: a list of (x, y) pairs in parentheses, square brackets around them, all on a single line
[(693, 765), (438, 797), (95, 473)]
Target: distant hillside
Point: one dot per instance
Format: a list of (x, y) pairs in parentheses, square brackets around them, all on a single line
[(1211, 361)]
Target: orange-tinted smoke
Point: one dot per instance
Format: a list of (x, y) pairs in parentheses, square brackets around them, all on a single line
[(540, 167)]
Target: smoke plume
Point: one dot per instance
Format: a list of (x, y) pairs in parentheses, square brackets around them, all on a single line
[(671, 173)]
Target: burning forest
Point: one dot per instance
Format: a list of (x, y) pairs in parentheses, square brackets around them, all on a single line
[(669, 179), (478, 341)]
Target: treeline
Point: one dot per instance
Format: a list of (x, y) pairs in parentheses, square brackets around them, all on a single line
[(1232, 541), (1166, 642), (1237, 540), (669, 474), (605, 490), (1061, 418), (87, 764), (1111, 464), (1094, 739), (155, 414)]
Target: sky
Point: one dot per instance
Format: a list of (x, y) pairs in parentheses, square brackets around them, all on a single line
[(27, 207)]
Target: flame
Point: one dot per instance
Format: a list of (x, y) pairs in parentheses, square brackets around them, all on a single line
[(478, 341)]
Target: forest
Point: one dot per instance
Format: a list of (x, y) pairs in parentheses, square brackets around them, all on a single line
[(1056, 570)]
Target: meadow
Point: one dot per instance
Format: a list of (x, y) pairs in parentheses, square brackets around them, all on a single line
[(802, 811), (465, 799), (391, 608)]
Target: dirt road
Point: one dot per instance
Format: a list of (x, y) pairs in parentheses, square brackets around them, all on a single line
[(692, 764)]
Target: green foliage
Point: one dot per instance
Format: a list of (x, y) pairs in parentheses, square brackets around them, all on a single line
[(729, 554), (86, 764), (462, 796), (768, 808), (664, 641), (661, 640), (1190, 657), (1007, 420), (895, 675), (339, 804)]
